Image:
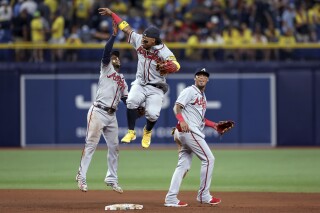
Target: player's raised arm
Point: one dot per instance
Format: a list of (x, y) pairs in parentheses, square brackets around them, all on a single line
[(123, 25), (109, 45)]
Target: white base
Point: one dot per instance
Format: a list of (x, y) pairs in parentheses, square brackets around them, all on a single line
[(124, 206)]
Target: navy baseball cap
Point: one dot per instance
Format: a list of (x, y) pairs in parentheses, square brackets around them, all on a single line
[(116, 53), (202, 71), (152, 32)]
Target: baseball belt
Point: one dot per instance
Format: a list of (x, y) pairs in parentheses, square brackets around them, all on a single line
[(109, 110), (162, 86)]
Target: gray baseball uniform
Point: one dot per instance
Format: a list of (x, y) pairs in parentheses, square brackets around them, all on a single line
[(101, 118), (193, 102), (146, 86)]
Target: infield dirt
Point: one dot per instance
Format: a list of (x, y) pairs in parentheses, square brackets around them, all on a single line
[(75, 201)]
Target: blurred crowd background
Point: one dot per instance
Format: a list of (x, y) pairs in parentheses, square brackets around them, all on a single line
[(193, 22)]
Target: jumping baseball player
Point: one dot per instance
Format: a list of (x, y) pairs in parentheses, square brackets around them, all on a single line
[(155, 61), (190, 108), (102, 117)]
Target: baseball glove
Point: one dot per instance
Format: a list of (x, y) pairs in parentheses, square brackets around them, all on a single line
[(166, 67), (141, 111), (172, 130), (176, 139), (224, 126)]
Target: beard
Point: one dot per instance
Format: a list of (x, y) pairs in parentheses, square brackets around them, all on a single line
[(115, 65)]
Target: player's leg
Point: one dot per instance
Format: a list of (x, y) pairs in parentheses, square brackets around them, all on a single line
[(200, 147), (94, 127), (153, 107), (136, 96), (110, 134), (183, 166)]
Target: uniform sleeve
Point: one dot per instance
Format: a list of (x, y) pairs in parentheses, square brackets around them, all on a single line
[(107, 50), (105, 68), (185, 97), (125, 90), (124, 95), (135, 39), (168, 55)]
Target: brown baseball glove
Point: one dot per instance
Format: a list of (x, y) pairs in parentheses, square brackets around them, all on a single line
[(172, 130), (178, 142), (224, 126), (166, 67), (141, 111)]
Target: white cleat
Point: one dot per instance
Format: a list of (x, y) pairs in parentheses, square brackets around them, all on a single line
[(115, 187), (82, 183), (179, 204)]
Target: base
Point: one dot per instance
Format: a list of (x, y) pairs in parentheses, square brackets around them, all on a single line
[(123, 206)]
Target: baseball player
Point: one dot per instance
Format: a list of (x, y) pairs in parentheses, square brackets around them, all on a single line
[(155, 61), (190, 108), (102, 117)]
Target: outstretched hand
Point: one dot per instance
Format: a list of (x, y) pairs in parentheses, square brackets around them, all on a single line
[(105, 11)]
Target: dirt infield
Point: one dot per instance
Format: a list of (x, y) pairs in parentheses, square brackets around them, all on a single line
[(74, 201)]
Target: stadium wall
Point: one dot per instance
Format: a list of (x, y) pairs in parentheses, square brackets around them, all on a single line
[(297, 92)]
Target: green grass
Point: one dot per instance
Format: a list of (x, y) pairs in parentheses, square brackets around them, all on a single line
[(271, 170)]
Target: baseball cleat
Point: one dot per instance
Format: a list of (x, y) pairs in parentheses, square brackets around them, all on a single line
[(130, 136), (146, 138), (115, 187), (180, 204), (82, 183), (214, 201)]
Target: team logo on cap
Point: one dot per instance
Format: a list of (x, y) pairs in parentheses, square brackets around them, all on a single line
[(202, 71)]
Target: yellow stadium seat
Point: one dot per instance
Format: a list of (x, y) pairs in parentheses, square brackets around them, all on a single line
[(147, 5)]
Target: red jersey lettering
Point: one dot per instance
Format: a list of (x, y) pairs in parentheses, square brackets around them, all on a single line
[(151, 56), (117, 79), (200, 102)]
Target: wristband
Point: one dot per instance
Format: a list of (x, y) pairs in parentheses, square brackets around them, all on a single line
[(179, 117), (116, 18), (123, 25)]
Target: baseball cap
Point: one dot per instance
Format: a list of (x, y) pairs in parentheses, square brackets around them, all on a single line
[(116, 53), (202, 71), (152, 32)]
